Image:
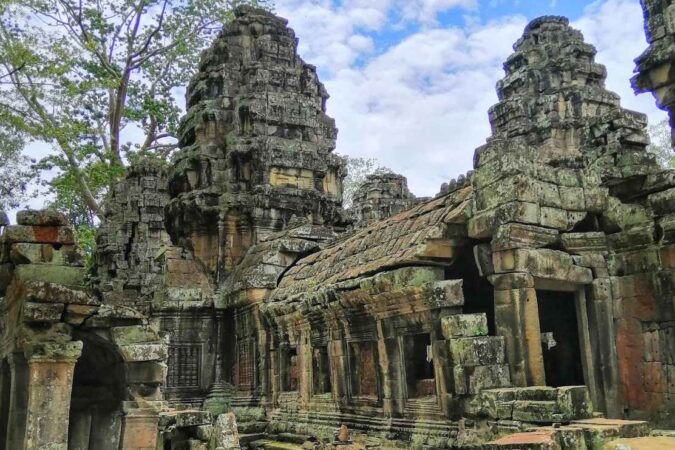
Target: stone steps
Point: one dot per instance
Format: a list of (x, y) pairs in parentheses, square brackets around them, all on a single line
[(539, 404), (588, 434)]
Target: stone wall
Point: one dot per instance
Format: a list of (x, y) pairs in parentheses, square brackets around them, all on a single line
[(75, 372), (655, 69)]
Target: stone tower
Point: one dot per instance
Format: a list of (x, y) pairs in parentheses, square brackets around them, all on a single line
[(132, 236), (553, 103), (380, 196), (256, 144)]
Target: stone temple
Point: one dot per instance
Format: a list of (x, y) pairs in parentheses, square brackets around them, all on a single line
[(236, 305)]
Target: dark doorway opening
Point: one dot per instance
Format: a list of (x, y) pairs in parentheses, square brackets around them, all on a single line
[(479, 294), (560, 338), (321, 371), (419, 367)]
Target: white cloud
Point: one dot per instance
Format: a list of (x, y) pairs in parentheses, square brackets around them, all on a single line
[(615, 28), (420, 106), (426, 11)]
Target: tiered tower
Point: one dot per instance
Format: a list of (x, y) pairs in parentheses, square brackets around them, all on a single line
[(256, 144)]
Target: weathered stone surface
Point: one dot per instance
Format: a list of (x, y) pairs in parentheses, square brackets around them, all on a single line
[(64, 255), (41, 312), (225, 433), (464, 325), (477, 351), (381, 195), (193, 418), (69, 276), (654, 69), (44, 217), (49, 292), (40, 234)]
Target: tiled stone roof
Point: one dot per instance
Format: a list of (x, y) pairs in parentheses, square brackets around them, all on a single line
[(419, 236)]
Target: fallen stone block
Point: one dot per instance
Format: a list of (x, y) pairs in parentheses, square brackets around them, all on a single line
[(193, 418), (46, 292), (472, 380), (77, 314)]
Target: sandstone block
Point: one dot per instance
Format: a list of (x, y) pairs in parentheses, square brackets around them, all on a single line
[(39, 234), (46, 292), (26, 253), (148, 372), (69, 276), (513, 280), (483, 224), (536, 411), (143, 352), (135, 334), (574, 402), (77, 314), (663, 202), (516, 235), (464, 325), (477, 351), (41, 312), (472, 380), (192, 418), (45, 217)]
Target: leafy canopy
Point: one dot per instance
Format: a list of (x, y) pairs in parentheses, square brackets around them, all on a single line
[(98, 81)]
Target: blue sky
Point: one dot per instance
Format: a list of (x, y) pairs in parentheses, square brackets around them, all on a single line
[(411, 80)]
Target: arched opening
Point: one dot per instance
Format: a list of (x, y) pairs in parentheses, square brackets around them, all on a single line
[(98, 389)]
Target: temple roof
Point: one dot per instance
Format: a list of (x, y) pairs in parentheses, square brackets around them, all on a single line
[(422, 235)]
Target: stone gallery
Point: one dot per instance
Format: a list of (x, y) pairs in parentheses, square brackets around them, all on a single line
[(234, 303)]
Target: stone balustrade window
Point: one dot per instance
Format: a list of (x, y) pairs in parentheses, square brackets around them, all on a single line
[(321, 370), (363, 362)]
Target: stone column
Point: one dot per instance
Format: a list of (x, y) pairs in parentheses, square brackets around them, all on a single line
[(517, 319), (139, 425), (18, 401), (50, 369), (393, 400)]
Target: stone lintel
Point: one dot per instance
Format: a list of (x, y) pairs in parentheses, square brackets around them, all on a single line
[(53, 351)]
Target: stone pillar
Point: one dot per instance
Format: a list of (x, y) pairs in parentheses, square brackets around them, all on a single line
[(50, 369), (339, 374), (139, 425), (304, 367), (517, 320), (5, 390), (393, 401), (18, 402)]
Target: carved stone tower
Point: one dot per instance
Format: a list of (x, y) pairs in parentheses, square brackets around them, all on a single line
[(256, 144)]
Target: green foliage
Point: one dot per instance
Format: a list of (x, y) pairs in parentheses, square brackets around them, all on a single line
[(358, 168), (659, 134), (16, 171), (98, 82), (85, 236)]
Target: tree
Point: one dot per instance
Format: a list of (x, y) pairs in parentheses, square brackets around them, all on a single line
[(16, 171), (659, 134), (358, 168), (97, 80)]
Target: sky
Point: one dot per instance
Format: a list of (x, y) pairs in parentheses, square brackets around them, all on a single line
[(411, 81)]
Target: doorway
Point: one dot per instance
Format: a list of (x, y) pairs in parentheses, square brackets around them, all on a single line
[(560, 338)]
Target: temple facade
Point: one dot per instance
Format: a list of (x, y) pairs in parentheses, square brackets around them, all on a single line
[(234, 304)]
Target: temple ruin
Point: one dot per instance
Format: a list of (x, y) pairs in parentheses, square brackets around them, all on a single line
[(236, 305)]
